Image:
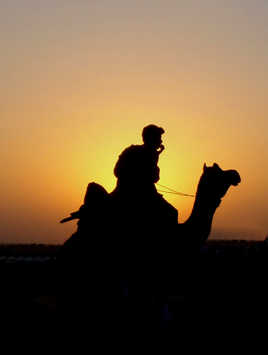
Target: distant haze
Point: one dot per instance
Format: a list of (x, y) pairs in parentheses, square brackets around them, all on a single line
[(80, 79)]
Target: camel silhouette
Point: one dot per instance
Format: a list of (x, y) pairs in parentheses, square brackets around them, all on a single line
[(133, 244)]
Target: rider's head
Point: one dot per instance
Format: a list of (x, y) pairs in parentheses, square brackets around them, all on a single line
[(151, 135)]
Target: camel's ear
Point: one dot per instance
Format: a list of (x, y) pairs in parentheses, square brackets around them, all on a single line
[(215, 165), (204, 167)]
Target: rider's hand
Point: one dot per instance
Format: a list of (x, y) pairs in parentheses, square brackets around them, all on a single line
[(161, 148)]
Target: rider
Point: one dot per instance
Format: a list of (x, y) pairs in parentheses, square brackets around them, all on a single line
[(137, 164)]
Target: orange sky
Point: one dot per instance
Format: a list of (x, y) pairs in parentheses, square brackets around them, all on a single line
[(80, 80)]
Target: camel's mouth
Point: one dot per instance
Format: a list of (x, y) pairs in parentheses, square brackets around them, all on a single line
[(237, 180)]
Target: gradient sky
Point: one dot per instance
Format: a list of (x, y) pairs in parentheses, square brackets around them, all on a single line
[(80, 79)]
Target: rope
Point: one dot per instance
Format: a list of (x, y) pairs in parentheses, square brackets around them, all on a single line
[(171, 191)]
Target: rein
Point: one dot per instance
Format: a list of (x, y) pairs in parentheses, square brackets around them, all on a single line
[(171, 191)]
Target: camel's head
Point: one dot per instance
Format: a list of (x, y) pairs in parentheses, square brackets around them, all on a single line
[(215, 182)]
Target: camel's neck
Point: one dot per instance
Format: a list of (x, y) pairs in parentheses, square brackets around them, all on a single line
[(204, 206), (200, 220)]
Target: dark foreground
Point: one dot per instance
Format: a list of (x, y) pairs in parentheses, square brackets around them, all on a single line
[(226, 287)]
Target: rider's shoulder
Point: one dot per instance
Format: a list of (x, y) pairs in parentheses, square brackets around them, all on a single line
[(134, 148)]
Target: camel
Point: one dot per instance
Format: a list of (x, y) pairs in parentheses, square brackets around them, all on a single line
[(137, 237)]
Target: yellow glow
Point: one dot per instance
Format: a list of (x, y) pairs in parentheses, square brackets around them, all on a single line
[(74, 96)]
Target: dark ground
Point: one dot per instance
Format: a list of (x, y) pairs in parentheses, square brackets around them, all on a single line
[(227, 287)]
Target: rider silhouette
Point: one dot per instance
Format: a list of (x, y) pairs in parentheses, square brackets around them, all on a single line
[(137, 164)]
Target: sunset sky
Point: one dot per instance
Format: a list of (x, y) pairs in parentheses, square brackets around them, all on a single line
[(80, 79)]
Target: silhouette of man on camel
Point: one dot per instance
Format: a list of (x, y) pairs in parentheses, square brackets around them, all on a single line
[(133, 233)]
